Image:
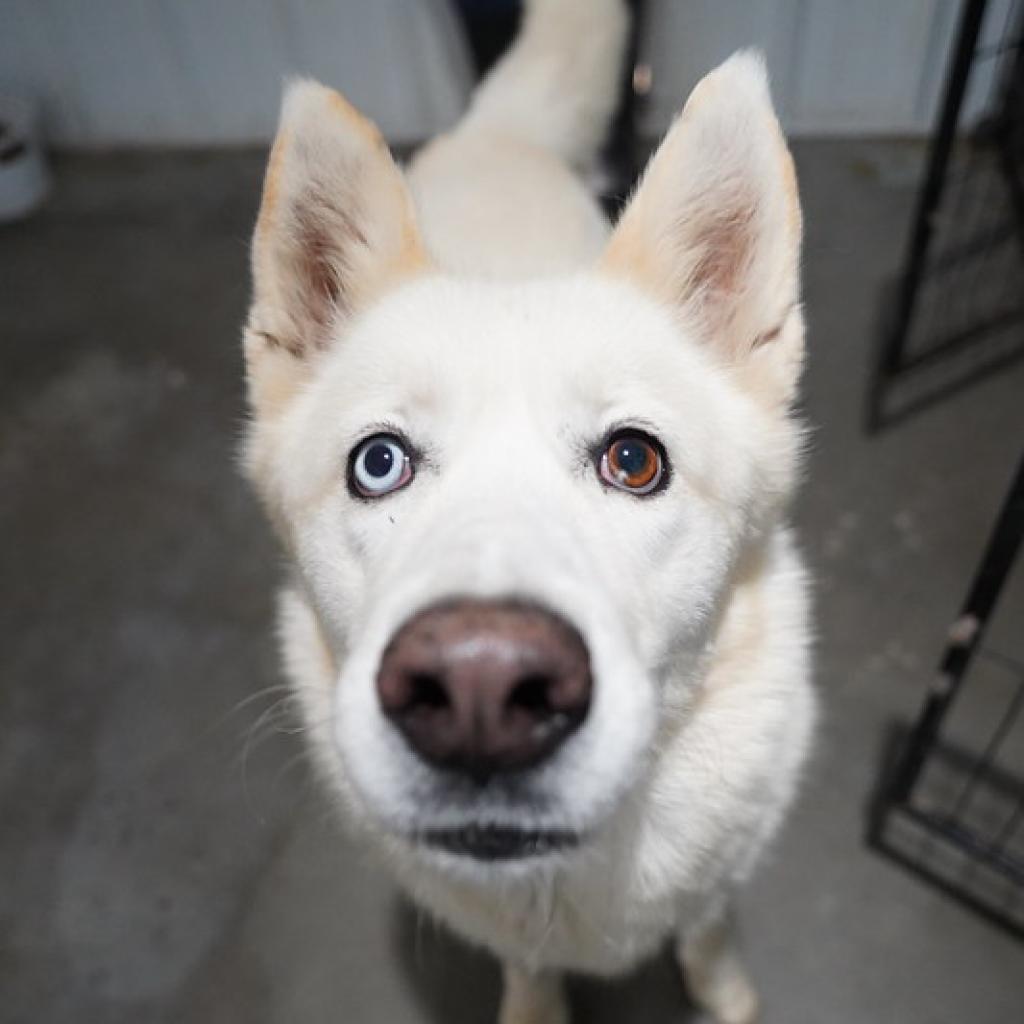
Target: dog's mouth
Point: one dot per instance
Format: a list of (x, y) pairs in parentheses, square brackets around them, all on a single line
[(499, 842)]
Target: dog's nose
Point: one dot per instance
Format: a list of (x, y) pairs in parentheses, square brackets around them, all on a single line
[(484, 687)]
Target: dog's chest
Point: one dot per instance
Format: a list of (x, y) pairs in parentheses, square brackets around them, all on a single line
[(576, 924)]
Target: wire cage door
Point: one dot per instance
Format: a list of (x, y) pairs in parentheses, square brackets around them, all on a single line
[(956, 311), (953, 813)]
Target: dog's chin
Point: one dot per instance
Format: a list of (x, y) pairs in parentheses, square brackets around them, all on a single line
[(497, 843)]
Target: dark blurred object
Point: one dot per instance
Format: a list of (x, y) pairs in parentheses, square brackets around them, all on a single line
[(624, 156), (491, 25), (957, 816), (956, 313), (24, 174)]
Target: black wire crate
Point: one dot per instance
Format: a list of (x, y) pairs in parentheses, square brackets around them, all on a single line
[(956, 310), (951, 803)]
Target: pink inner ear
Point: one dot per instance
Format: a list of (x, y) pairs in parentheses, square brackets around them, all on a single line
[(717, 244), (324, 235), (725, 245), (319, 279)]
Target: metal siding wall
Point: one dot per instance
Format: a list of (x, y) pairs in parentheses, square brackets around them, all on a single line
[(860, 65), (837, 67), (684, 39), (199, 72)]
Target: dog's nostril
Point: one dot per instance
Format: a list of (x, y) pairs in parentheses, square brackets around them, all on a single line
[(532, 694), (427, 691)]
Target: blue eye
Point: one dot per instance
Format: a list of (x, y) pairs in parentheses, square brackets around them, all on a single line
[(380, 465)]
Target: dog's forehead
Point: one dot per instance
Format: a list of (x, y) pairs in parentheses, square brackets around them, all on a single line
[(580, 336)]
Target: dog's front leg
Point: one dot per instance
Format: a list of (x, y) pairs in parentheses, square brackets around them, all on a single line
[(715, 975), (532, 998)]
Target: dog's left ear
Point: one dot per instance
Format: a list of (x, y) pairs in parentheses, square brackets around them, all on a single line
[(335, 228), (714, 229)]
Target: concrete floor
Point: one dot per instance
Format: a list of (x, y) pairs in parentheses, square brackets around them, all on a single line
[(163, 854)]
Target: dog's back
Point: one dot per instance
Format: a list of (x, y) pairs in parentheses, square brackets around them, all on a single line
[(500, 195)]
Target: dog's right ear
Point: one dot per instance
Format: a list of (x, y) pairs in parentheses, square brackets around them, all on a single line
[(335, 228)]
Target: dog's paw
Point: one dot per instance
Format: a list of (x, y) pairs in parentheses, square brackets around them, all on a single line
[(532, 999), (533, 1016), (735, 1003), (715, 975), (534, 1013)]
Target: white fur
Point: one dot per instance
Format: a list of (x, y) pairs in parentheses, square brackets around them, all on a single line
[(498, 329)]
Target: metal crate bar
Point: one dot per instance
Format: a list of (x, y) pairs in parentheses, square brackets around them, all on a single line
[(989, 840)]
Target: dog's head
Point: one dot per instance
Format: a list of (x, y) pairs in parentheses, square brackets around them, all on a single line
[(515, 508)]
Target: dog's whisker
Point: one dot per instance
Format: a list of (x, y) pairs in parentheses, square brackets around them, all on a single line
[(300, 759), (260, 731), (246, 701)]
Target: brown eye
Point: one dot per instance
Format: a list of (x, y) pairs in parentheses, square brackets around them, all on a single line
[(632, 463)]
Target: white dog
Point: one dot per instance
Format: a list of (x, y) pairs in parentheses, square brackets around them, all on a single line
[(546, 620)]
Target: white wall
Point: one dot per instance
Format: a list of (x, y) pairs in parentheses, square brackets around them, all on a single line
[(847, 67), (837, 66), (210, 71)]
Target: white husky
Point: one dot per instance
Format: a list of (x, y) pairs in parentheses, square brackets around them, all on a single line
[(546, 620)]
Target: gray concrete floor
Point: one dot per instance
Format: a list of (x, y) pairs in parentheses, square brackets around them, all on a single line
[(163, 853)]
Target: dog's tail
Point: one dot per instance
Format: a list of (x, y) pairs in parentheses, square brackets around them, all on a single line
[(558, 85)]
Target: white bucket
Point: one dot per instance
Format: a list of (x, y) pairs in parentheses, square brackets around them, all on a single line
[(24, 177)]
